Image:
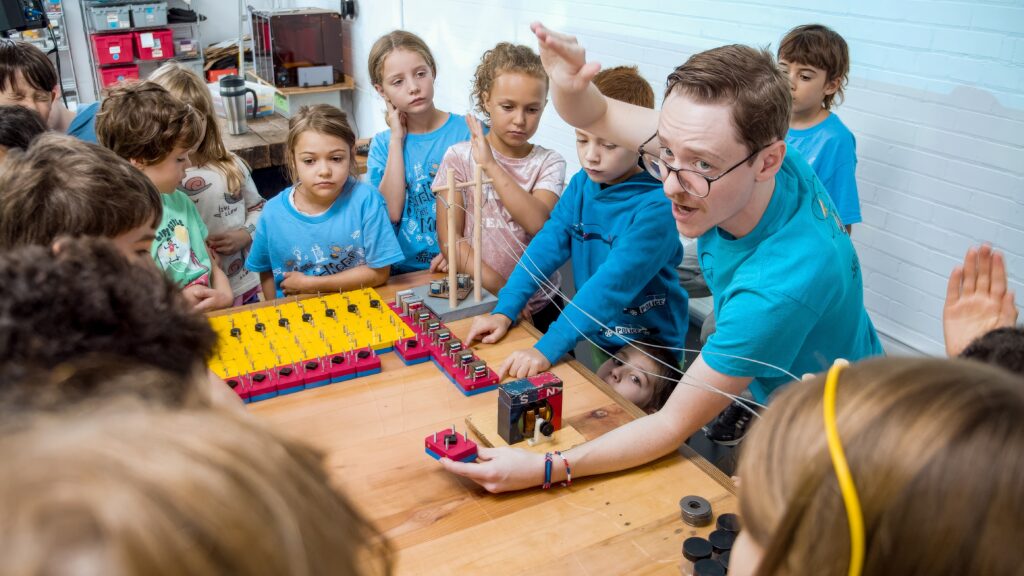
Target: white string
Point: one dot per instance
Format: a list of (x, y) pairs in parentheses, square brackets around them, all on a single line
[(545, 283)]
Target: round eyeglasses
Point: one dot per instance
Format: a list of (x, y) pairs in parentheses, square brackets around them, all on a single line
[(691, 181)]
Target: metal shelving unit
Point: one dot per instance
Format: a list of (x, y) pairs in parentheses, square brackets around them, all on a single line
[(59, 54), (180, 31)]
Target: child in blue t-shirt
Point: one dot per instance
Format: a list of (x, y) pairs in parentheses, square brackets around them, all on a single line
[(615, 223), (404, 159), (817, 61), (326, 232)]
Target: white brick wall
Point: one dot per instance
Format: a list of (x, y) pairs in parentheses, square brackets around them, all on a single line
[(936, 100)]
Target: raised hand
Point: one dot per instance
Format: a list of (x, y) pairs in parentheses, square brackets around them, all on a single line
[(564, 59), (977, 300), (479, 145)]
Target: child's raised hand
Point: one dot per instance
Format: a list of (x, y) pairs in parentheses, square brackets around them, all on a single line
[(396, 121), (564, 59), (977, 300), (231, 242), (523, 363), (439, 263), (479, 145)]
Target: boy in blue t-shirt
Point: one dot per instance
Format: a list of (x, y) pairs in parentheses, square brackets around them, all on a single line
[(613, 221), (817, 61)]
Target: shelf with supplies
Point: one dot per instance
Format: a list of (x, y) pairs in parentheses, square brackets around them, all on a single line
[(53, 40), (128, 39)]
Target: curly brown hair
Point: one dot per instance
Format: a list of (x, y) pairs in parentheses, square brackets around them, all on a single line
[(93, 193), (504, 57), (85, 297), (142, 121)]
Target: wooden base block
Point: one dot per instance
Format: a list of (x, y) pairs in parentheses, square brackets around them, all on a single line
[(485, 427)]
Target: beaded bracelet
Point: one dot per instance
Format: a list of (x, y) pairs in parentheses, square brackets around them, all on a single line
[(568, 471), (547, 470)]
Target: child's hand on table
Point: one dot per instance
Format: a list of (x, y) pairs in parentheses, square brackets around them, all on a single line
[(523, 363), (230, 242), (489, 329), (295, 283)]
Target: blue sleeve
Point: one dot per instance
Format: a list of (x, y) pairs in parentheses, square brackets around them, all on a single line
[(379, 239), (842, 186), (762, 325), (259, 253), (548, 250), (636, 258), (378, 157)]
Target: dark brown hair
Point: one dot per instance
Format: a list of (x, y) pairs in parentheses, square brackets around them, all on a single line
[(19, 126), (21, 58), (85, 297), (62, 186), (1003, 347), (624, 83), (504, 57), (747, 80), (141, 121), (323, 119), (936, 450), (821, 47)]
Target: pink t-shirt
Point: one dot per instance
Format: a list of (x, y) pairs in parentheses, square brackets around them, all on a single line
[(503, 240)]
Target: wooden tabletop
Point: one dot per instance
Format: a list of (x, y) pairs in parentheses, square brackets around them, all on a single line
[(263, 146), (372, 429)]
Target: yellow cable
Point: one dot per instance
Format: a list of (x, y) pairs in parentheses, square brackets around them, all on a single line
[(846, 486)]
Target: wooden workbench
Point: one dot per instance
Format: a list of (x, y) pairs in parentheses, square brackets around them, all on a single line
[(372, 429), (263, 146)]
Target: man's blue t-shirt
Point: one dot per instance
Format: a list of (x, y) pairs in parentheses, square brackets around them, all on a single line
[(830, 148), (83, 126), (354, 231), (789, 293), (621, 239), (417, 231)]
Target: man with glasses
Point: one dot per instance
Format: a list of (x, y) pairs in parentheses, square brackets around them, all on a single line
[(788, 294)]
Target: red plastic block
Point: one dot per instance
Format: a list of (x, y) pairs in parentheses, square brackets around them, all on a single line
[(341, 367), (263, 385), (457, 447), (315, 373), (240, 384), (366, 361), (412, 350), (289, 379)]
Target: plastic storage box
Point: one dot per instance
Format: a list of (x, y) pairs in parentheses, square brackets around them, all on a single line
[(113, 48), (110, 17), (155, 44), (147, 15), (114, 74)]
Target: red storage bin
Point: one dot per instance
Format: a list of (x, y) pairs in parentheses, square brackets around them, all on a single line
[(113, 48), (114, 74), (154, 44)]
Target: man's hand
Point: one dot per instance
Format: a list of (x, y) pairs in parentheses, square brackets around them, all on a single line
[(501, 469), (488, 329), (523, 363), (564, 59), (977, 300)]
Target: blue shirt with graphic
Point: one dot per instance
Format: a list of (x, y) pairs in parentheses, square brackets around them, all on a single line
[(354, 231), (790, 293), (83, 125), (621, 239), (830, 148), (417, 231)]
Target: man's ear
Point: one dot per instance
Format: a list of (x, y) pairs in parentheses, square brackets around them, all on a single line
[(771, 160)]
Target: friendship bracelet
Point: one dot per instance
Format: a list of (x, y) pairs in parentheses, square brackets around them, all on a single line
[(547, 470), (568, 471)]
